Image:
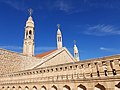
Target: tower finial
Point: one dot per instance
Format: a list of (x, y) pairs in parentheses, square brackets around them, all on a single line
[(58, 26), (30, 11)]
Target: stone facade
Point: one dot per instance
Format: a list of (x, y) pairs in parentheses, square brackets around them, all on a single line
[(82, 75)]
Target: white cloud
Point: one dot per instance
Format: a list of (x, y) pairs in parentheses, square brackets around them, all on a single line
[(19, 48), (62, 5), (17, 4), (102, 30), (105, 49), (110, 49), (16, 48)]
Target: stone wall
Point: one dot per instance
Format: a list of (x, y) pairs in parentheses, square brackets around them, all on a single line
[(90, 74), (13, 62)]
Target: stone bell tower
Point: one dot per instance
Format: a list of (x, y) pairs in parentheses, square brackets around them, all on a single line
[(59, 38), (28, 46)]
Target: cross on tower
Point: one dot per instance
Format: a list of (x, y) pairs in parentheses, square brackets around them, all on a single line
[(58, 26), (30, 11)]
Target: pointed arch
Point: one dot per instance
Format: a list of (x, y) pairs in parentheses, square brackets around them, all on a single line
[(34, 88), (53, 87), (8, 88), (82, 87), (19, 88), (43, 88), (66, 87), (13, 88), (26, 88), (99, 87), (118, 85)]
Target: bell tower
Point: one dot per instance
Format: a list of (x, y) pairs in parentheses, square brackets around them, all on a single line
[(28, 46), (59, 38), (76, 53)]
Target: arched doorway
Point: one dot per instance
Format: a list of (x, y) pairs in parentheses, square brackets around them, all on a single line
[(43, 88), (99, 87), (34, 88), (26, 88), (117, 87), (54, 87), (81, 87), (66, 87)]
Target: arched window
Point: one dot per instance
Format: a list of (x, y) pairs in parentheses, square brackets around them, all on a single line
[(81, 87), (30, 32), (26, 33), (43, 88), (54, 87), (66, 87), (99, 87)]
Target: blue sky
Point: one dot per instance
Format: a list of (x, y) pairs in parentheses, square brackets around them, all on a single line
[(94, 24)]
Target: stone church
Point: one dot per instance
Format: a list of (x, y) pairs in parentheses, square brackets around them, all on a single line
[(56, 69)]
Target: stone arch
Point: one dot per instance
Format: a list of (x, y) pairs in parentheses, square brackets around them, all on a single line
[(117, 87), (99, 87), (81, 87), (53, 87), (43, 88), (19, 88), (26, 88), (34, 88), (66, 87), (13, 88), (8, 88), (30, 32)]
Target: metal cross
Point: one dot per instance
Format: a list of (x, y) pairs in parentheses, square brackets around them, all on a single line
[(30, 11), (58, 26)]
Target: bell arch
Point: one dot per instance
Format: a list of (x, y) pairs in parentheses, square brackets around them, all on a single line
[(66, 87), (81, 87), (53, 87), (99, 87), (43, 88)]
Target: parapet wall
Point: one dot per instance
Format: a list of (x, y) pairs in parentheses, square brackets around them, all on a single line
[(96, 68)]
